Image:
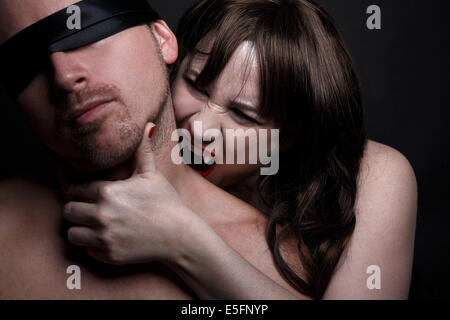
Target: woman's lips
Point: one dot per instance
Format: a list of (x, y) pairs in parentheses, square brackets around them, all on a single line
[(209, 171), (204, 168)]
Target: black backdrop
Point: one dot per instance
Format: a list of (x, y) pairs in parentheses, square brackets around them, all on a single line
[(404, 73)]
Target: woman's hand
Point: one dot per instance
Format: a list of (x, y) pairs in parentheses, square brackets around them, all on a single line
[(131, 221)]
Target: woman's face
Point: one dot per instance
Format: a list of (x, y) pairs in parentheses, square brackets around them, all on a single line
[(230, 102)]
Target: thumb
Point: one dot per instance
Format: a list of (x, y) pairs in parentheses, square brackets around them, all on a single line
[(145, 161)]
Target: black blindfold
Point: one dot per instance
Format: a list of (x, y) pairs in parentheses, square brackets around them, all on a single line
[(26, 54)]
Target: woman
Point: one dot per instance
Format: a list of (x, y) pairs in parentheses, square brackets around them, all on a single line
[(344, 204), (303, 73)]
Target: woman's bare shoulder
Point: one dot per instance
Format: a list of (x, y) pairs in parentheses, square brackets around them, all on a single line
[(387, 185), (385, 209), (385, 167), (378, 155)]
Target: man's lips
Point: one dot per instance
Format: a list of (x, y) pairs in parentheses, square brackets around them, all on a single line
[(88, 111)]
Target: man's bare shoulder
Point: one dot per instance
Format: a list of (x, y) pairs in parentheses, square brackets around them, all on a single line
[(21, 202), (22, 190)]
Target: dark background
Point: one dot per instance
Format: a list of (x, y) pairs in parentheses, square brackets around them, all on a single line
[(404, 73)]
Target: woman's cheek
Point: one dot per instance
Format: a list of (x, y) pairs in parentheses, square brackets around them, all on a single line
[(231, 140), (184, 104)]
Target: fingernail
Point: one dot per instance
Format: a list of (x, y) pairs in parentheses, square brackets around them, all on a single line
[(66, 208), (151, 132)]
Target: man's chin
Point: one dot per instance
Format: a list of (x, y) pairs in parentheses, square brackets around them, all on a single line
[(98, 152)]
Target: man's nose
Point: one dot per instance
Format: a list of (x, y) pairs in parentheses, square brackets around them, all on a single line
[(69, 73)]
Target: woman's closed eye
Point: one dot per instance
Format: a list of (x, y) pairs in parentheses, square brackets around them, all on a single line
[(242, 116), (237, 113), (194, 86)]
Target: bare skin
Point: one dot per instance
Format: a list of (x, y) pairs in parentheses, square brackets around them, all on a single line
[(34, 266)]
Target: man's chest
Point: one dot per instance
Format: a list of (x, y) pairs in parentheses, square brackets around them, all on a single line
[(52, 270)]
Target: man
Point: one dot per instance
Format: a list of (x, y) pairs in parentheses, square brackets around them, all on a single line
[(91, 106)]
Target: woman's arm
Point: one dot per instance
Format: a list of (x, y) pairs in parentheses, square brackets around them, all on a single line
[(214, 270)]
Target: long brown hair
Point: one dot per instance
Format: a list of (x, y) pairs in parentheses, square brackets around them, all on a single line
[(309, 88)]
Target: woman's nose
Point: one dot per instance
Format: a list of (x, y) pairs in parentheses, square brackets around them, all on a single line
[(69, 74), (205, 120)]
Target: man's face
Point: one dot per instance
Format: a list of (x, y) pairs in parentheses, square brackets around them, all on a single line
[(90, 105)]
